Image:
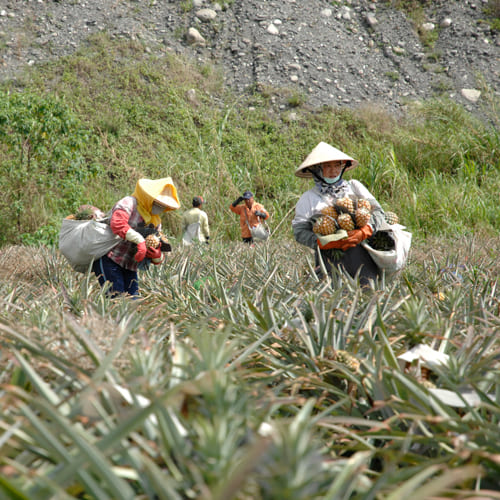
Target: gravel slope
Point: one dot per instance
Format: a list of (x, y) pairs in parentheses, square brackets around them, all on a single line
[(348, 54)]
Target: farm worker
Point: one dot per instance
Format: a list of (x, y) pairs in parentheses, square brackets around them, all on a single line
[(119, 266), (251, 214), (195, 223), (326, 166)]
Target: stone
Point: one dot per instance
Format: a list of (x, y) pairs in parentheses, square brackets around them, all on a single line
[(471, 95), (206, 15), (273, 30), (193, 37)]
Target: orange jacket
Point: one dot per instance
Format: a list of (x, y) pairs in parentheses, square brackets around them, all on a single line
[(245, 212)]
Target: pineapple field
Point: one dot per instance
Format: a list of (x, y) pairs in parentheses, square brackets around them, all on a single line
[(238, 374), (248, 378)]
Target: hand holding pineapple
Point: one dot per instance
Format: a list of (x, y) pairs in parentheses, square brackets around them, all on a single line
[(347, 215), (343, 216)]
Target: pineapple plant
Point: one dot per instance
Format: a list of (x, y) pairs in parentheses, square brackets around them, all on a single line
[(345, 222), (362, 217), (347, 359)]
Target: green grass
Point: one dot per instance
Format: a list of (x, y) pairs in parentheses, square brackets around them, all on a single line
[(132, 117)]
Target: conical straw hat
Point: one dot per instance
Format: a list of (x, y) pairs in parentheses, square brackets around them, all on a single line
[(323, 152)]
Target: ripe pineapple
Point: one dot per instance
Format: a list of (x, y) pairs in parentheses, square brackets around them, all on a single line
[(152, 241), (330, 211), (84, 214), (381, 240), (362, 216), (345, 222), (391, 218), (346, 204), (326, 223), (364, 203), (164, 243)]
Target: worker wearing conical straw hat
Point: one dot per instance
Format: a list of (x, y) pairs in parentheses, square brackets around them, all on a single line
[(326, 165)]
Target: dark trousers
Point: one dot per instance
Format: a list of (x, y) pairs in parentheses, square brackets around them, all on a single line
[(351, 261), (122, 280)]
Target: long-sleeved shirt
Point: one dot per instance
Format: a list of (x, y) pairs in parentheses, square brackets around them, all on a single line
[(196, 215), (312, 202), (248, 213), (123, 253)]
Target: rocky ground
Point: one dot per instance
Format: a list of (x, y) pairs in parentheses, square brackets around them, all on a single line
[(341, 53)]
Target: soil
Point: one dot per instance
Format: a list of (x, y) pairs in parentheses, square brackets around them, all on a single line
[(345, 53)]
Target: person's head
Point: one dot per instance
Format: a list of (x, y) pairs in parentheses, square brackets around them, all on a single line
[(156, 196), (248, 198), (198, 201), (157, 208), (332, 170), (325, 161)]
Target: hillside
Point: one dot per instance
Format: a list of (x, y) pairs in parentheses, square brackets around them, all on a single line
[(348, 53)]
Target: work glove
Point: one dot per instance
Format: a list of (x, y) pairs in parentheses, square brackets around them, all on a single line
[(141, 251), (155, 255), (260, 214), (338, 245), (238, 200), (356, 236), (353, 239)]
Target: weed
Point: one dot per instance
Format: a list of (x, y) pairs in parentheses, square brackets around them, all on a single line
[(392, 75)]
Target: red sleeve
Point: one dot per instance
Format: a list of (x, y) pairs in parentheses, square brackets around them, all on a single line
[(119, 223)]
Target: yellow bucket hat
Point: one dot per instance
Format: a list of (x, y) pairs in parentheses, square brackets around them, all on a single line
[(161, 191)]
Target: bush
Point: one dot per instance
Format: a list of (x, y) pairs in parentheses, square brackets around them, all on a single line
[(44, 170)]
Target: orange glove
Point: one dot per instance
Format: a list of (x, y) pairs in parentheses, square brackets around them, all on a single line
[(339, 245), (153, 253), (358, 235), (353, 239)]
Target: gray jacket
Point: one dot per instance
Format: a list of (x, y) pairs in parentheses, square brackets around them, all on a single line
[(312, 202)]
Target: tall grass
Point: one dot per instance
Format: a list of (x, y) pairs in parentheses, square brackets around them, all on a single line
[(136, 115)]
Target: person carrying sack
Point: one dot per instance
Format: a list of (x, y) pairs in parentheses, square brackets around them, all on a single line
[(326, 166), (143, 208), (252, 214), (195, 223)]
